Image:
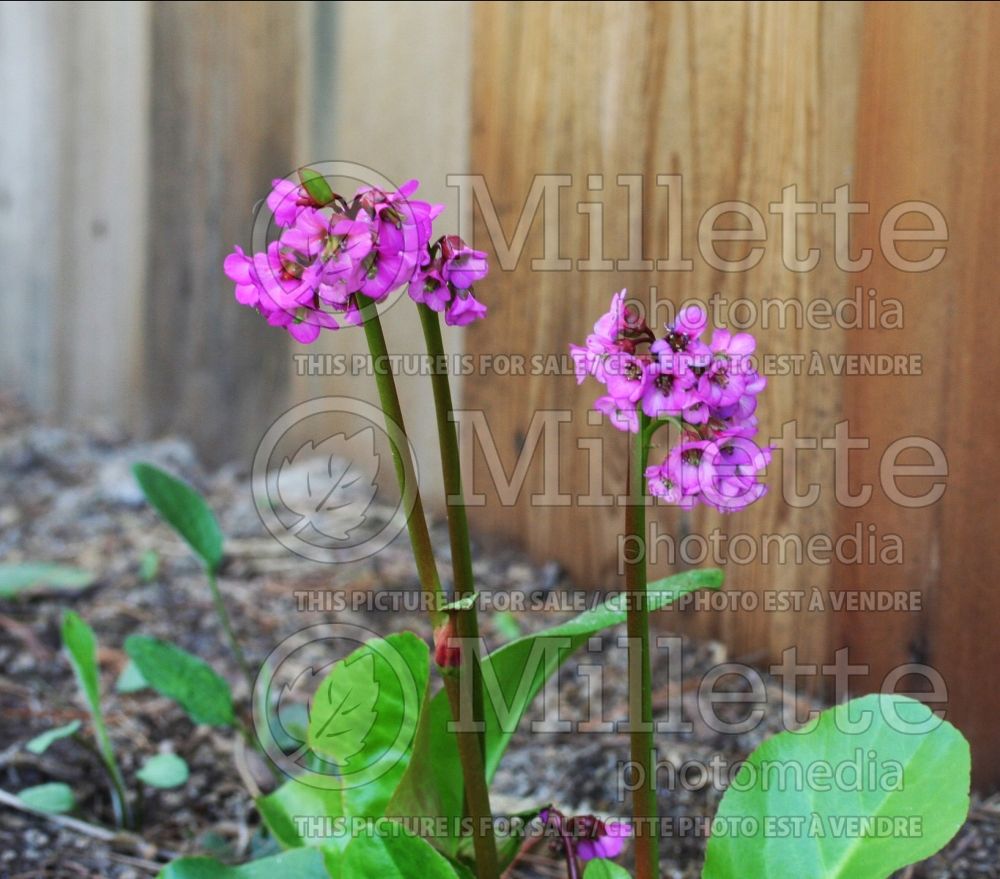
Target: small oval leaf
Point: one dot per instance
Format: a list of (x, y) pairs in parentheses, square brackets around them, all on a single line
[(34, 578), (54, 798), (164, 771), (40, 743), (600, 868), (183, 677), (185, 510)]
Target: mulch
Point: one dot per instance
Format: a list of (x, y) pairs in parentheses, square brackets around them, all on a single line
[(66, 495)]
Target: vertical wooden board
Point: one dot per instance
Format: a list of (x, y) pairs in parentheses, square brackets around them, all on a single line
[(32, 39), (739, 99), (105, 212), (418, 126), (225, 94), (73, 78), (927, 132)]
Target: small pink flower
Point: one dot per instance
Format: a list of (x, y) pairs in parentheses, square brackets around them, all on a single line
[(461, 265), (286, 200), (463, 310)]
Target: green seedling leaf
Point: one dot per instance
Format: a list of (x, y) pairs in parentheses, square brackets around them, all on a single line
[(81, 647), (301, 864), (185, 510), (512, 677), (183, 677), (131, 679), (864, 790), (149, 566), (315, 184), (41, 743), (601, 868), (395, 856), (33, 578), (54, 798), (164, 771), (364, 717)]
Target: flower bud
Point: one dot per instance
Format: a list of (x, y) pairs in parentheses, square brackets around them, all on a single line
[(447, 649)]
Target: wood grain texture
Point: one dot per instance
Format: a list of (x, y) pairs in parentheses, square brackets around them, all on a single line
[(74, 80), (225, 94), (406, 118), (739, 99), (927, 131)]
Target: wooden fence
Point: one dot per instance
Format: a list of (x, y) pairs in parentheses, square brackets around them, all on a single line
[(140, 134)]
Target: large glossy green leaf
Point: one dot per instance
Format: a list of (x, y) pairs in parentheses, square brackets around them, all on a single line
[(512, 675), (53, 798), (866, 789), (298, 864), (600, 868), (28, 578), (394, 855), (364, 718), (302, 814), (183, 677), (185, 510)]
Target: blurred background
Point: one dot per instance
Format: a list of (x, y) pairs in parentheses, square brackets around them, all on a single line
[(139, 137)]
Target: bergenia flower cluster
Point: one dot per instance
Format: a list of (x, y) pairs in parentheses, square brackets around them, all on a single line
[(709, 390), (333, 256)]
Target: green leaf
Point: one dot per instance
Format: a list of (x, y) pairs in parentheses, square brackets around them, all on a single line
[(466, 602), (512, 675), (185, 510), (284, 809), (301, 864), (394, 856), (507, 625), (164, 771), (186, 679), (131, 679), (81, 646), (600, 868), (364, 717), (32, 578), (315, 184), (149, 565), (53, 798), (510, 838), (864, 790), (40, 743)]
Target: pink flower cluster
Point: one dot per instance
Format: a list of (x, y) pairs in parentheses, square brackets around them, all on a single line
[(331, 256), (708, 389)]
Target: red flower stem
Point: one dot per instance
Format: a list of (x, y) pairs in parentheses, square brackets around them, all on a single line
[(640, 690), (469, 750), (458, 522), (416, 524)]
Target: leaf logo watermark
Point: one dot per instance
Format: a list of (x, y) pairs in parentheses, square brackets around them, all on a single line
[(315, 481), (336, 477)]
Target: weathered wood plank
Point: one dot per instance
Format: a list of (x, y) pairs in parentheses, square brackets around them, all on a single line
[(225, 95), (74, 84), (927, 131), (741, 100)]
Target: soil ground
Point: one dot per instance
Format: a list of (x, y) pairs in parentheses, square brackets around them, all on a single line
[(68, 496)]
